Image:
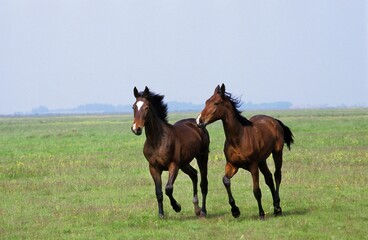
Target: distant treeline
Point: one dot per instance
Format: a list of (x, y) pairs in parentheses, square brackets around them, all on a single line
[(173, 106)]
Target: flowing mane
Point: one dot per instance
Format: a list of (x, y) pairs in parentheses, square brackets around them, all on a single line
[(236, 103), (158, 104)]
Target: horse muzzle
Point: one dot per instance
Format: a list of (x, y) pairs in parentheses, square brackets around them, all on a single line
[(200, 122), (136, 130)]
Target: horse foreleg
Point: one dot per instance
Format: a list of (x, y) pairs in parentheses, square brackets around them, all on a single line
[(192, 173), (256, 190), (230, 171), (173, 173), (156, 175)]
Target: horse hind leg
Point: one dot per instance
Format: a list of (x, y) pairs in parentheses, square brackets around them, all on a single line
[(192, 173), (277, 157), (269, 181), (256, 190), (203, 167)]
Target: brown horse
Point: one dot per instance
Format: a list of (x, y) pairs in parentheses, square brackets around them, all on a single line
[(171, 147), (248, 144)]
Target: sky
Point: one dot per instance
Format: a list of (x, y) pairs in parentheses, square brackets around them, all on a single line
[(64, 53)]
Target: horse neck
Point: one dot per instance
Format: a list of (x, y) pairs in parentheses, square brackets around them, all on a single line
[(154, 128), (232, 127)]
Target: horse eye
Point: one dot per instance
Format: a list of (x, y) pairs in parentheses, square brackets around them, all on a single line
[(216, 103)]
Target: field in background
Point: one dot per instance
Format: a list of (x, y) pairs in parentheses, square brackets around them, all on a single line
[(85, 177)]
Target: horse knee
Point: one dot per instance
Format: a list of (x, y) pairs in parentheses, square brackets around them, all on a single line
[(278, 176), (204, 186), (159, 196), (226, 181), (169, 190), (257, 193), (268, 179), (195, 178), (194, 175)]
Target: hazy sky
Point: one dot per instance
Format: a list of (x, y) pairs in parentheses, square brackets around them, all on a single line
[(64, 53)]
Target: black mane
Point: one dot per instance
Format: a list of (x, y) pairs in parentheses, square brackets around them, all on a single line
[(236, 103), (156, 101)]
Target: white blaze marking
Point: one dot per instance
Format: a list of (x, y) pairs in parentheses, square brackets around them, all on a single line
[(139, 105), (198, 119), (134, 127)]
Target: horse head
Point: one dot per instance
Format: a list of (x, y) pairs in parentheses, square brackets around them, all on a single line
[(214, 108), (140, 108)]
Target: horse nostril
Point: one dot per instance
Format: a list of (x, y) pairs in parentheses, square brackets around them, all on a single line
[(136, 131), (200, 124)]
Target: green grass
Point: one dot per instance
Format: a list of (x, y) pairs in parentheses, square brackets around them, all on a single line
[(85, 177)]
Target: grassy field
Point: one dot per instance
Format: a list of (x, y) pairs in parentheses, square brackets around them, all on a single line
[(85, 177)]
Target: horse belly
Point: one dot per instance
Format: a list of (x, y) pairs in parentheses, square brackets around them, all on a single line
[(189, 151)]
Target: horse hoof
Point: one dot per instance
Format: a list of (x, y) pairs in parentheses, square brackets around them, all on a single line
[(203, 214), (177, 208), (161, 216), (235, 212), (197, 211), (262, 217), (277, 211)]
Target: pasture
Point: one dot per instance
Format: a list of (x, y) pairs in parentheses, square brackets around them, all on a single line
[(85, 177)]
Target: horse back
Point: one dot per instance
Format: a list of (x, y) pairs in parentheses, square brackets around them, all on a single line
[(187, 129)]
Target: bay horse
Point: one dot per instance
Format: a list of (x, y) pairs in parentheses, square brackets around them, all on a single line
[(170, 148), (248, 144)]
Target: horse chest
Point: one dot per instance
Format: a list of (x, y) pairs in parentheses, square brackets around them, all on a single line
[(238, 156), (159, 156)]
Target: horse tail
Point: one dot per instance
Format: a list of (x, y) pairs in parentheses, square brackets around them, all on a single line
[(288, 135)]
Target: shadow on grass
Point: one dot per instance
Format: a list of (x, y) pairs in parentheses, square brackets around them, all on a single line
[(285, 213), (172, 216), (185, 216), (295, 212), (247, 216)]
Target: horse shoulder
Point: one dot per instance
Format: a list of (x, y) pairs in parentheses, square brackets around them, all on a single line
[(238, 153), (159, 152)]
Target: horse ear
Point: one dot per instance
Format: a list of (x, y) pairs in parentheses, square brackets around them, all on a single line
[(217, 89), (146, 91), (223, 88), (136, 93)]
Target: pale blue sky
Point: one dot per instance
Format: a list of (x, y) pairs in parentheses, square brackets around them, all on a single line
[(64, 53)]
